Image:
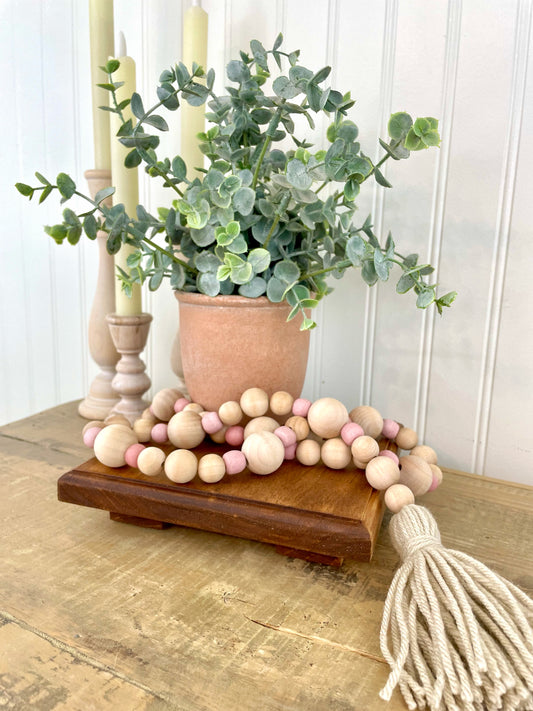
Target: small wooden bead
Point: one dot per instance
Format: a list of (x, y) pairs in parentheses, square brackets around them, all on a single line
[(181, 403), (181, 466), (406, 438), (369, 419), (350, 432), (150, 461), (90, 435), (117, 419), (363, 450), (132, 454), (264, 452), (111, 444), (308, 452), (185, 429), (194, 407), (390, 429), (235, 461), (254, 402), (286, 435), (230, 413), (437, 477), (301, 406), (163, 403), (326, 417), (143, 429), (281, 403), (235, 435), (335, 453), (92, 423), (416, 474), (299, 425), (425, 452), (290, 451), (258, 424), (397, 496), (148, 415), (211, 468), (382, 472), (391, 455), (211, 422), (220, 436)]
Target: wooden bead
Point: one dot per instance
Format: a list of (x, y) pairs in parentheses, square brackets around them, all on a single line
[(148, 415), (117, 419), (254, 402), (264, 452), (143, 429), (92, 423), (90, 435), (308, 452), (163, 403), (220, 436), (437, 477), (390, 429), (299, 425), (397, 496), (181, 466), (230, 413), (111, 444), (350, 432), (382, 472), (131, 455), (194, 407), (150, 461), (335, 453), (185, 429), (416, 474), (281, 403), (391, 455), (235, 435), (159, 433), (235, 461), (363, 450), (211, 422), (426, 453), (301, 406), (211, 468), (286, 435), (406, 438), (181, 403), (369, 419), (258, 424), (326, 417)]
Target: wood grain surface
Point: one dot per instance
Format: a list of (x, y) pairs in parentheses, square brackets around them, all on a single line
[(98, 615)]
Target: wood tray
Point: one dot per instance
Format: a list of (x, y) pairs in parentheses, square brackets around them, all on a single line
[(313, 513)]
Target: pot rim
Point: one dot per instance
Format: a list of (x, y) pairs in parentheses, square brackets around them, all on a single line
[(232, 301)]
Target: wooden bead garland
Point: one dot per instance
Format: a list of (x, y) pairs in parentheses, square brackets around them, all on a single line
[(311, 432)]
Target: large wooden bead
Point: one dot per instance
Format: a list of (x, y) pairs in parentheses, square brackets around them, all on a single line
[(308, 452), (163, 403), (425, 452), (406, 438), (117, 419), (91, 424), (150, 461), (230, 413), (299, 425), (363, 450), (335, 453), (211, 468), (397, 496), (264, 452), (181, 466), (382, 472), (148, 415), (194, 407), (111, 444), (281, 403), (185, 429), (326, 417), (258, 424), (369, 419), (416, 474), (437, 477), (143, 429), (254, 402)]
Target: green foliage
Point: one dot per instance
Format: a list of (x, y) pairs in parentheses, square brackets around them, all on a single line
[(264, 218)]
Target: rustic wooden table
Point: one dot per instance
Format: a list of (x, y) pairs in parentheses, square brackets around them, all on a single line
[(102, 615)]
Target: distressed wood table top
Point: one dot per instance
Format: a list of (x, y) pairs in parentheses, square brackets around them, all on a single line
[(96, 614)]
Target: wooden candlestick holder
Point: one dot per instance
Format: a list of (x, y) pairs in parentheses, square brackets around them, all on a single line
[(129, 334)]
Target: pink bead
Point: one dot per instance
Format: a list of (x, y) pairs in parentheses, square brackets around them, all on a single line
[(350, 432), (90, 436), (301, 406), (235, 435), (235, 461), (286, 435), (159, 433), (390, 455), (180, 404), (390, 429), (132, 454), (211, 422), (290, 451)]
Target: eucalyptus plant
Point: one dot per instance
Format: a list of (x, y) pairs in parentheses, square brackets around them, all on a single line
[(262, 219)]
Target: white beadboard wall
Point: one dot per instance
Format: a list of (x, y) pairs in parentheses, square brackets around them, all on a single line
[(464, 381)]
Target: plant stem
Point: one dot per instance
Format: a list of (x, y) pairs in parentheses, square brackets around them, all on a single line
[(271, 231), (268, 141), (340, 265), (172, 256)]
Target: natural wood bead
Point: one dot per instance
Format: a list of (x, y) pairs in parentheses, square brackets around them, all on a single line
[(111, 444), (335, 453), (150, 461), (258, 424), (397, 496), (92, 423), (143, 429), (211, 468), (264, 452), (369, 419), (194, 407), (363, 450), (326, 417), (425, 452), (437, 477), (230, 413), (181, 466), (163, 403), (299, 425), (281, 403), (382, 472), (406, 438), (416, 474), (117, 419), (185, 429), (308, 452), (148, 415), (254, 402), (220, 436)]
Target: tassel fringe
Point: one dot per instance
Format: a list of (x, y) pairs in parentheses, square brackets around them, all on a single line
[(456, 635)]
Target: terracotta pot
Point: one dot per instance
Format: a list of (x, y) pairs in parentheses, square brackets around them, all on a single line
[(231, 343)]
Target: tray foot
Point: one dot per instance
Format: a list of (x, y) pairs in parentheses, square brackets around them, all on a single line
[(138, 521)]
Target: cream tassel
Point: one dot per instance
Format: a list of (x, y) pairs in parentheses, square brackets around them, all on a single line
[(456, 635)]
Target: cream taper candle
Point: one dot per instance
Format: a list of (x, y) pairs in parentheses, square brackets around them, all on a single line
[(102, 46)]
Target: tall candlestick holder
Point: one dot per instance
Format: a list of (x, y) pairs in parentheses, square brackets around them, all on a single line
[(129, 334), (101, 397)]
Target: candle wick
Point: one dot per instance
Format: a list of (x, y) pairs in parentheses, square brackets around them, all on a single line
[(122, 50)]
